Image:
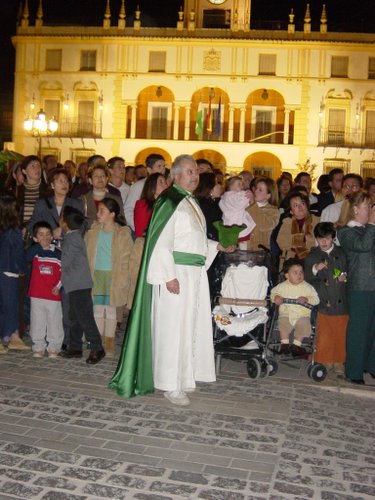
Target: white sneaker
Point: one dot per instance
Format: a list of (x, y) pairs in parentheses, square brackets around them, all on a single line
[(53, 354), (178, 398), (38, 354)]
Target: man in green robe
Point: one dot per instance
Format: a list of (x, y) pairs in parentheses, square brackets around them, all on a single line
[(169, 342)]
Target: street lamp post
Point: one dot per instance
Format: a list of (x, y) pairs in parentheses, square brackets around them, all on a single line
[(40, 127)]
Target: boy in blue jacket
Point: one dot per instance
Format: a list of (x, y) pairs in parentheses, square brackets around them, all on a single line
[(77, 282)]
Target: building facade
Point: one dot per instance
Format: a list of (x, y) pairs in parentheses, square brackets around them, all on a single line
[(210, 86)]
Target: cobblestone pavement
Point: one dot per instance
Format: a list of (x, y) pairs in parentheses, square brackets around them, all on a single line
[(64, 435)]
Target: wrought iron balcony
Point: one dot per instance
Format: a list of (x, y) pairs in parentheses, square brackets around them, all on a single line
[(347, 138), (84, 129)]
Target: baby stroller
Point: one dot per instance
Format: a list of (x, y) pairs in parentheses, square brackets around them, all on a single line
[(245, 323), (242, 313)]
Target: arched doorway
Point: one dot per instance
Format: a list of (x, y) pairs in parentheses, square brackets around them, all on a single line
[(216, 158), (140, 159), (265, 117), (155, 113), (263, 163)]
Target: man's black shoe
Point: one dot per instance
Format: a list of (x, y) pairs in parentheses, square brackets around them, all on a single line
[(71, 353), (95, 357)]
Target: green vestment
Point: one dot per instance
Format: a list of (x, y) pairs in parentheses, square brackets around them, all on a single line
[(133, 375)]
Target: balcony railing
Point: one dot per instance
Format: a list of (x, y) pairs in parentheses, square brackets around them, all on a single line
[(348, 137), (83, 129)]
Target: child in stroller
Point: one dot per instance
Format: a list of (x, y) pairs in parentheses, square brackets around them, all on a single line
[(290, 295)]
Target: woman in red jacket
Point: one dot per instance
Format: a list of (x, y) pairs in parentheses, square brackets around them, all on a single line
[(154, 185)]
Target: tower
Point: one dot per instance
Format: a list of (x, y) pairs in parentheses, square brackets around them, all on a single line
[(226, 14)]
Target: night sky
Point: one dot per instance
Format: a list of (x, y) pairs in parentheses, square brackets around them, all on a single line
[(343, 15)]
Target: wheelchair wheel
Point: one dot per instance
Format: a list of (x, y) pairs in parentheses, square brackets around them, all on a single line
[(253, 368), (308, 370), (318, 372), (273, 367)]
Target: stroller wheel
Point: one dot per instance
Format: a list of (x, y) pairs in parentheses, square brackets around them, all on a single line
[(253, 368), (318, 372), (272, 367), (264, 368), (308, 370)]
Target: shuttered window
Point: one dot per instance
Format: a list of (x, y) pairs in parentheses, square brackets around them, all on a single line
[(88, 60), (336, 126), (53, 59), (52, 108), (157, 60), (339, 66), (267, 64), (371, 68)]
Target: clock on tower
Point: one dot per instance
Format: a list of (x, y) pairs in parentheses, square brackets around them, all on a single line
[(223, 14)]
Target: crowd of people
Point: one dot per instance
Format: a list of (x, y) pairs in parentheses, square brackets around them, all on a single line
[(82, 245)]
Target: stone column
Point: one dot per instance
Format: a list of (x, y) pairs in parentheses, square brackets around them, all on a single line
[(126, 106), (242, 124), (286, 125), (133, 123), (231, 123), (187, 123), (176, 122)]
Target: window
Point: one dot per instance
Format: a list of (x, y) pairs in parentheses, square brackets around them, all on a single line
[(329, 165), (263, 122), (263, 172), (157, 61), (368, 169), (371, 68), (339, 66), (267, 64), (216, 18), (81, 155), (52, 108), (53, 59), (50, 151), (370, 128), (159, 120), (85, 118), (88, 60), (336, 126)]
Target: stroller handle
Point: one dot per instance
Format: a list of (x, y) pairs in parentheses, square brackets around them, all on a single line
[(242, 302)]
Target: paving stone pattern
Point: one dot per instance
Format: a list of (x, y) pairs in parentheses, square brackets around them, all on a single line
[(65, 436)]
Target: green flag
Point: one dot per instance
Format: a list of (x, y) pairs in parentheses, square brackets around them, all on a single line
[(199, 122)]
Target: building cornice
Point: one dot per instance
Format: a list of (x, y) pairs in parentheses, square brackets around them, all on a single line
[(197, 35)]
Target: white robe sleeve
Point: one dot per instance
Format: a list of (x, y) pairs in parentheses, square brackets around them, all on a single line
[(161, 267)]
